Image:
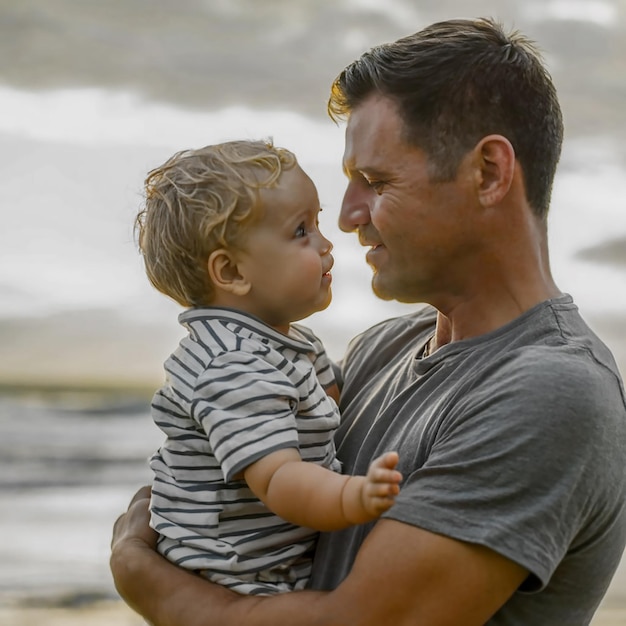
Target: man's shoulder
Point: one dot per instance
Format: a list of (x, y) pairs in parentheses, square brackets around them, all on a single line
[(567, 373), (387, 346), (396, 330)]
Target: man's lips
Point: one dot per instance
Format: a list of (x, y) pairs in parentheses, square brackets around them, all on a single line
[(373, 252), (368, 243)]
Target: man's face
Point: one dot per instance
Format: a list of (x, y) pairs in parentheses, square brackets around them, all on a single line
[(418, 232)]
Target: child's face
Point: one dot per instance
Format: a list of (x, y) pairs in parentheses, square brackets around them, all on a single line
[(285, 257)]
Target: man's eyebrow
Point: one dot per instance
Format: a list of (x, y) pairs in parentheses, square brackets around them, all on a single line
[(349, 172), (363, 172)]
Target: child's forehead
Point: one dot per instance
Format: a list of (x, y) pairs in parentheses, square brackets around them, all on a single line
[(292, 181), (294, 194)]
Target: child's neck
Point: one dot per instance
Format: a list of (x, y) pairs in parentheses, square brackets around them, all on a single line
[(230, 301)]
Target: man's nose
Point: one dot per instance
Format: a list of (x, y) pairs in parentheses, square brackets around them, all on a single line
[(354, 209)]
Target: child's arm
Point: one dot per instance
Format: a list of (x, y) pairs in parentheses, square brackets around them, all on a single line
[(310, 495)]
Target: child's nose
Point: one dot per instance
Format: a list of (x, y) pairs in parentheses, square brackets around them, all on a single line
[(326, 245)]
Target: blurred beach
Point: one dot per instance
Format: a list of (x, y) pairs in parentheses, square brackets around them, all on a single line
[(93, 95)]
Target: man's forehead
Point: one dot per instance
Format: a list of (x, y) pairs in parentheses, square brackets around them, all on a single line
[(374, 128), (371, 116)]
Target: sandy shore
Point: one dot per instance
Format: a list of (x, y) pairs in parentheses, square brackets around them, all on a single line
[(97, 614), (114, 612)]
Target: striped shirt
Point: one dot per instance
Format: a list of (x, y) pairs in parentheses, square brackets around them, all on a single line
[(235, 391)]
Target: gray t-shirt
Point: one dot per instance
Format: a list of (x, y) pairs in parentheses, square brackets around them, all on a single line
[(515, 440)]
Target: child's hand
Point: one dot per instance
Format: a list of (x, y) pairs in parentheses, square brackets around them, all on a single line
[(382, 484)]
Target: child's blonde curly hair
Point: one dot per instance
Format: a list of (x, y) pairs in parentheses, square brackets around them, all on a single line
[(198, 201)]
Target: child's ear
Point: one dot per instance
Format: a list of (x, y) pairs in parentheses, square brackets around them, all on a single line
[(224, 273)]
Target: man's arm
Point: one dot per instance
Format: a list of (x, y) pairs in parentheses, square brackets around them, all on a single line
[(403, 575), (310, 495)]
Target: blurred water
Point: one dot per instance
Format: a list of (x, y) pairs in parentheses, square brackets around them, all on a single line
[(68, 465)]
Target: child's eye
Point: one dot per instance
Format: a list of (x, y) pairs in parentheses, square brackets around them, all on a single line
[(301, 230)]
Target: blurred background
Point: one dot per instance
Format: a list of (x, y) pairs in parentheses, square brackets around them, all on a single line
[(93, 94)]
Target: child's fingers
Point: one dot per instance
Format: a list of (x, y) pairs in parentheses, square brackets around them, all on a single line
[(388, 460), (383, 483), (382, 475), (382, 490), (381, 504), (392, 459)]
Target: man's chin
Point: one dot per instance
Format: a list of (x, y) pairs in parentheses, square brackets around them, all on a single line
[(388, 292), (381, 290)]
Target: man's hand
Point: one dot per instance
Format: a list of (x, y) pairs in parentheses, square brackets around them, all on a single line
[(134, 524), (132, 538), (164, 594)]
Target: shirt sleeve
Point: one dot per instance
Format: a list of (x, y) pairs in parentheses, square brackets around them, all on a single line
[(247, 409)]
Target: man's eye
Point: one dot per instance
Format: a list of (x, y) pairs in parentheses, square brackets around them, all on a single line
[(376, 185), (301, 231)]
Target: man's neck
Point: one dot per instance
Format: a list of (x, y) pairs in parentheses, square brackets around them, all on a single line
[(475, 318)]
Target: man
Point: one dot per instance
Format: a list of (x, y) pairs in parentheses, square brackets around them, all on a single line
[(508, 413)]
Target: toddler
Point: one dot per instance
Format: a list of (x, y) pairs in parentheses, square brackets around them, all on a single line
[(247, 474)]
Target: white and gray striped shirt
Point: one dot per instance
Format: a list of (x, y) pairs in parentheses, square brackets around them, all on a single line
[(237, 390)]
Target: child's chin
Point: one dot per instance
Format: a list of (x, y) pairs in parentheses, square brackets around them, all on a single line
[(326, 302)]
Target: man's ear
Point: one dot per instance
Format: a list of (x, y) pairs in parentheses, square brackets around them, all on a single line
[(224, 273), (495, 160)]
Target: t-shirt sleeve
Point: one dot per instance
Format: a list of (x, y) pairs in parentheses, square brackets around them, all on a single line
[(512, 465), (247, 409)]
